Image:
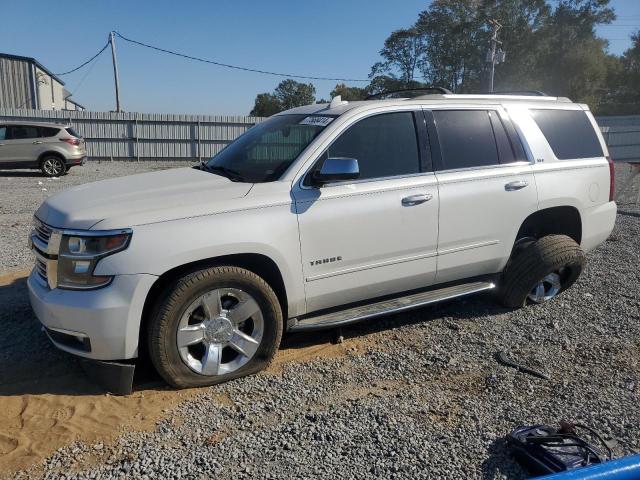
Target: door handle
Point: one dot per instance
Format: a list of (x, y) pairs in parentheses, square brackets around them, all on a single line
[(37, 143), (517, 185), (416, 199)]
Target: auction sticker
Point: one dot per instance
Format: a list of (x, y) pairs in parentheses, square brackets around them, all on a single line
[(316, 120)]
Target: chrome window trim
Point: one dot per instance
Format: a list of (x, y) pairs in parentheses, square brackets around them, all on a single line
[(521, 163), (363, 181)]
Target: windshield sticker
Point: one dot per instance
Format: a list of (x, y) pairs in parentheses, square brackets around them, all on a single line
[(317, 121)]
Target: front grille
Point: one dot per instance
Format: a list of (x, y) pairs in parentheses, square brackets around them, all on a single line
[(42, 231), (41, 269), (42, 243)]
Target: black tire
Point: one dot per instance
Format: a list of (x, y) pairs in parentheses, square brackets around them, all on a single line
[(53, 166), (537, 259), (163, 325)]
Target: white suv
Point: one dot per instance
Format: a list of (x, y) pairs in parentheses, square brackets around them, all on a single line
[(318, 217)]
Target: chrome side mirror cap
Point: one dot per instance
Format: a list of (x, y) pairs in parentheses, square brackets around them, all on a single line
[(337, 169)]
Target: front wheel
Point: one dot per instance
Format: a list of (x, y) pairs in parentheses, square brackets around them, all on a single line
[(540, 270), (215, 325)]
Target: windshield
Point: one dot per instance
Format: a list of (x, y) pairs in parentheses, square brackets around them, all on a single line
[(264, 152)]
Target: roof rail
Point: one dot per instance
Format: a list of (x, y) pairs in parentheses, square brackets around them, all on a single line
[(533, 93), (441, 90)]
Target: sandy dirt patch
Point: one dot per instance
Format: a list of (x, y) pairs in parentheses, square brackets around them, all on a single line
[(47, 402)]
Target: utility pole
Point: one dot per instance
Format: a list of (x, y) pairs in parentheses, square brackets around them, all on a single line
[(112, 41), (494, 56)]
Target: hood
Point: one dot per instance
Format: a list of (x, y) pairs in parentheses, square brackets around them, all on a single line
[(138, 199)]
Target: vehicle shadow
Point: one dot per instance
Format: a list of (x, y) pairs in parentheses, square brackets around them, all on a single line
[(30, 364), (629, 213), (500, 463), (21, 173)]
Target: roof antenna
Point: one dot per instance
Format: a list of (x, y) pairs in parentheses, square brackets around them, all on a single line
[(337, 101)]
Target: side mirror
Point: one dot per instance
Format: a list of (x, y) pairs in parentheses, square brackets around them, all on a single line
[(336, 170)]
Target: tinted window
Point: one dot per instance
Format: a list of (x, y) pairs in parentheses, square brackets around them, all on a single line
[(19, 132), (48, 131), (3, 132), (385, 145), (72, 132), (569, 133), (466, 138)]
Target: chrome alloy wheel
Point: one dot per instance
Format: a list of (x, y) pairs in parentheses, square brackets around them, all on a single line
[(220, 331), (53, 166), (546, 289)]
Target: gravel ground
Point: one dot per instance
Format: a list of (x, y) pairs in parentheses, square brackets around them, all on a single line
[(424, 397)]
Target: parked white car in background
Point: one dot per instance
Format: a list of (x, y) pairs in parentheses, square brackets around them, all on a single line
[(318, 217)]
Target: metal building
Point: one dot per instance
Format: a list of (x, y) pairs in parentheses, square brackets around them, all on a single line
[(26, 83)]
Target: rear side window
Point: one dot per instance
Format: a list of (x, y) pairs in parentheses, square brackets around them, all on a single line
[(385, 145), (3, 132), (48, 131), (466, 138), (19, 132), (72, 132), (569, 133)]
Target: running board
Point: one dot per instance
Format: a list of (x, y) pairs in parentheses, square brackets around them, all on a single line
[(385, 307)]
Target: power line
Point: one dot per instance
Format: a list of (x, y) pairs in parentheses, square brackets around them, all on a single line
[(85, 63), (94, 60), (226, 65)]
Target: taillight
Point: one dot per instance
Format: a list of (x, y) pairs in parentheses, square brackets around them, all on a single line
[(71, 141), (612, 180)]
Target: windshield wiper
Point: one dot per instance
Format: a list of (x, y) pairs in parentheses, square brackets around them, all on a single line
[(227, 172)]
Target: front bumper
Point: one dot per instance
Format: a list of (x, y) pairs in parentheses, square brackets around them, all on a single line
[(102, 324)]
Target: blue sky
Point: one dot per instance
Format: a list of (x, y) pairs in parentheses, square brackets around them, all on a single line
[(327, 38)]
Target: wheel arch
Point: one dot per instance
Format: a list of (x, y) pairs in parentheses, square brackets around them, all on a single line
[(259, 264), (50, 153), (561, 220)]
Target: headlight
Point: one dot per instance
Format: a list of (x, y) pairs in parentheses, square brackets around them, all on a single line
[(80, 253)]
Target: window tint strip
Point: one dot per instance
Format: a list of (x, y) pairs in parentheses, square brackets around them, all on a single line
[(434, 144), (505, 150), (423, 141), (515, 140)]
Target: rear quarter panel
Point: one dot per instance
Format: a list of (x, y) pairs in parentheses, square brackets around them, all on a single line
[(581, 183)]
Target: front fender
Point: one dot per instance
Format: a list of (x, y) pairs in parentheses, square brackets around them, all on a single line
[(271, 231)]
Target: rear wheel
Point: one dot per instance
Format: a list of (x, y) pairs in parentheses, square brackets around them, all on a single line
[(215, 325), (52, 166), (541, 269)]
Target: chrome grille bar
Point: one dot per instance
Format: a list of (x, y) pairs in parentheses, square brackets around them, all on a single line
[(45, 243)]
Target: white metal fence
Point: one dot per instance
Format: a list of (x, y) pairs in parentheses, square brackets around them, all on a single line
[(622, 134), (143, 136), (147, 136)]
